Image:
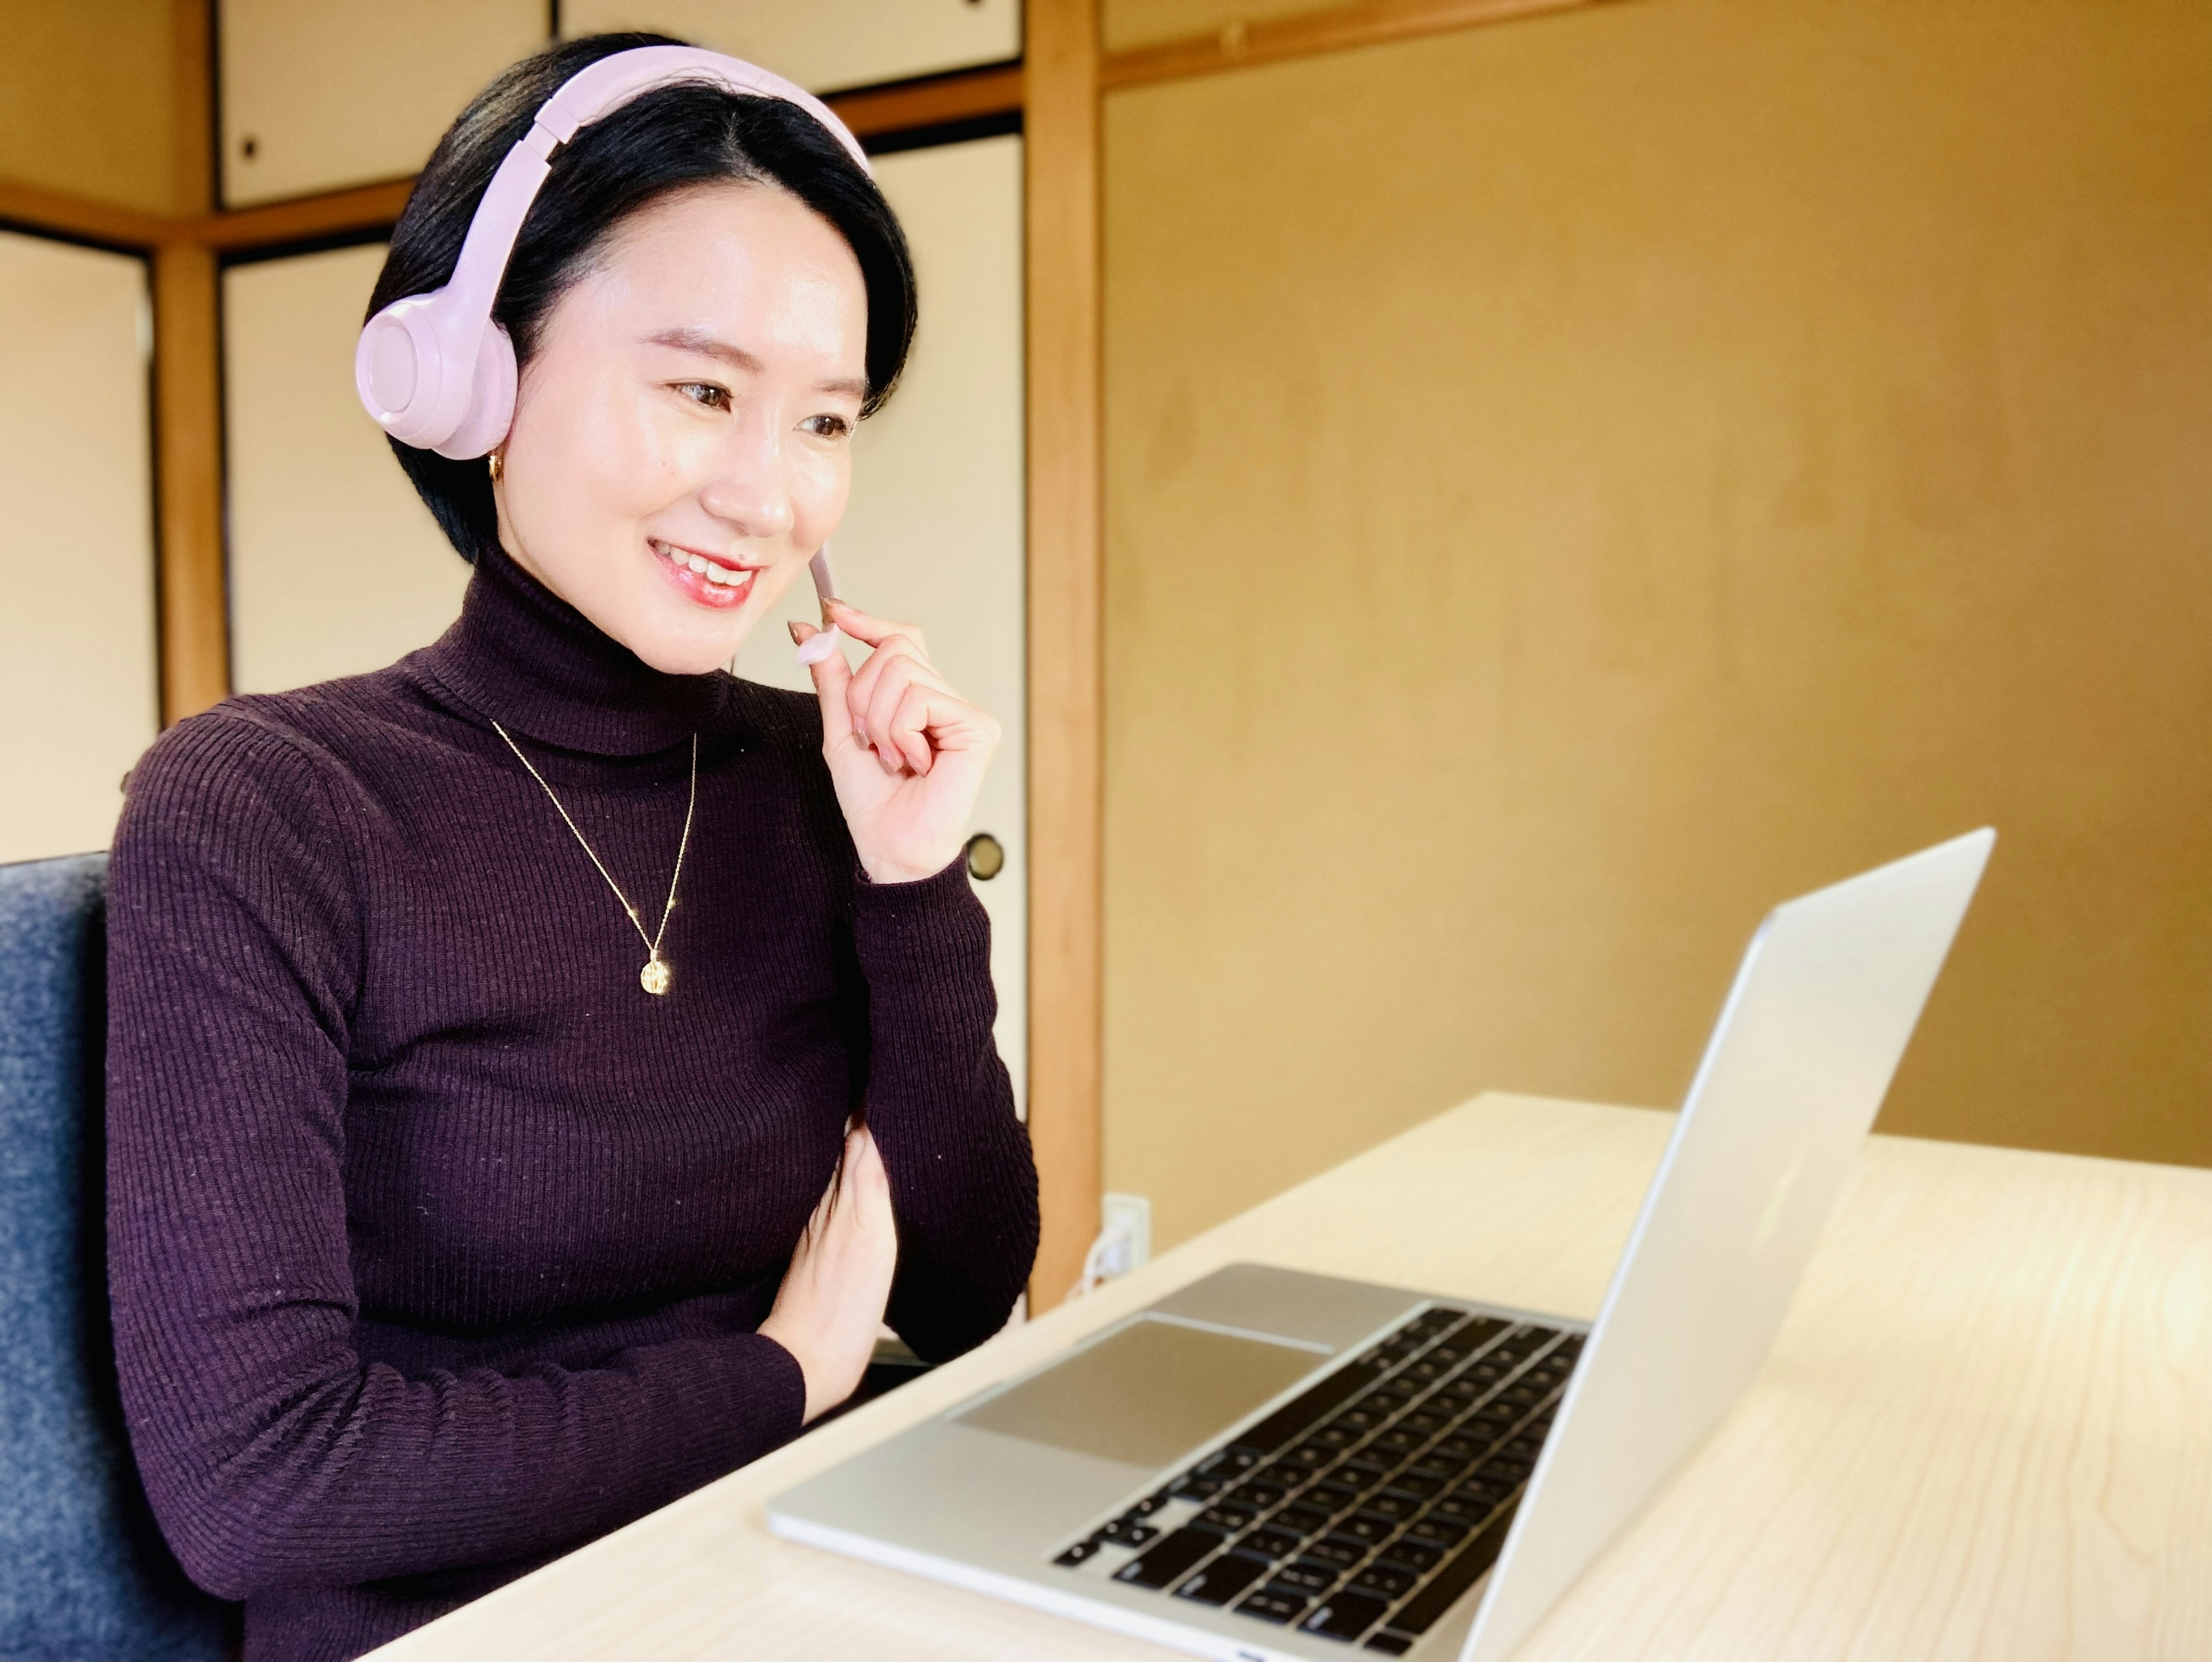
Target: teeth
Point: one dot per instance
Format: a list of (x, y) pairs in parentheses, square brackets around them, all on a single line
[(698, 563)]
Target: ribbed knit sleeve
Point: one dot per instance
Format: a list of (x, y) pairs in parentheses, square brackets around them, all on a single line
[(963, 1184), (273, 1455)]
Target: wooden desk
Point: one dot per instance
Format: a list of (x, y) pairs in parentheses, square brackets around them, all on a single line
[(1986, 1430)]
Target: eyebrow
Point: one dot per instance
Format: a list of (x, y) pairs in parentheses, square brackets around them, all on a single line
[(698, 340)]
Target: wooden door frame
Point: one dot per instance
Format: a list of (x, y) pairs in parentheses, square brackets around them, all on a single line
[(1056, 94)]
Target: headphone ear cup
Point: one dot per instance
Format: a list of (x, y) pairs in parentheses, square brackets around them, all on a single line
[(491, 410)]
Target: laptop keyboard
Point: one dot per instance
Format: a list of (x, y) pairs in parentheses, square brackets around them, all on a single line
[(1362, 1509)]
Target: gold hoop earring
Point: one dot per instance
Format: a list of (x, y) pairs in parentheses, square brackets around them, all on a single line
[(498, 467)]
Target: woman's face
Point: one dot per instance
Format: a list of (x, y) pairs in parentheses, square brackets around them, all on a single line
[(691, 402)]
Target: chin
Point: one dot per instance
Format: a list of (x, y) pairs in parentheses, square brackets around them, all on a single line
[(685, 645)]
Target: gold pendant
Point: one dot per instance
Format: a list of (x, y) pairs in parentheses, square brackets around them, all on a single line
[(653, 977)]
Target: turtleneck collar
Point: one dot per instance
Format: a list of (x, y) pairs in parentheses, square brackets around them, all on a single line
[(526, 657)]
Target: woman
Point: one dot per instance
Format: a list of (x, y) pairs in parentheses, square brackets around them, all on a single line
[(466, 1200)]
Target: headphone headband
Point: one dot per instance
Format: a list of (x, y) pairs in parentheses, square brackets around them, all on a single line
[(433, 370)]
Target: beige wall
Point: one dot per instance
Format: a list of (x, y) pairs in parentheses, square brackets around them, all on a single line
[(1571, 484), (823, 44), (336, 566), (933, 535), (77, 544), (87, 100), (340, 92)]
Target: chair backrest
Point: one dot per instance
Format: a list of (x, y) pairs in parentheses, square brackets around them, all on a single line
[(83, 1570)]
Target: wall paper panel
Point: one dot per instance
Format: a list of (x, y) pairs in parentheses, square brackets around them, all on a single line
[(336, 567), (78, 664), (343, 91), (824, 45)]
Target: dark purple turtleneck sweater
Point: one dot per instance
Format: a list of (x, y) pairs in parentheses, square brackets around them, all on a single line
[(437, 1244)]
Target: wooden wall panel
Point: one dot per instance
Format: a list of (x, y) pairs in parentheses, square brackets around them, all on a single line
[(88, 100), (1573, 483), (1065, 714), (188, 479)]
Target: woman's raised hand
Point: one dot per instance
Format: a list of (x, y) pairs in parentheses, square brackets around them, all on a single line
[(906, 752), (832, 1300)]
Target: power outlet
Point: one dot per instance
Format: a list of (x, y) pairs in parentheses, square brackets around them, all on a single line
[(1131, 1216)]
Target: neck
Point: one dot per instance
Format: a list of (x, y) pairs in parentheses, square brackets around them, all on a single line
[(526, 657)]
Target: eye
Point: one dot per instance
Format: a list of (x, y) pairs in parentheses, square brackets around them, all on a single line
[(827, 426), (706, 392)]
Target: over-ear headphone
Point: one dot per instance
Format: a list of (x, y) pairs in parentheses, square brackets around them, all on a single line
[(433, 370)]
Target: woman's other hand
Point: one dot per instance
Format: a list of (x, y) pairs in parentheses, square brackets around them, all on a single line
[(906, 752), (831, 1303)]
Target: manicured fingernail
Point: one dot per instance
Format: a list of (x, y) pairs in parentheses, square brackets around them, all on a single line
[(797, 639)]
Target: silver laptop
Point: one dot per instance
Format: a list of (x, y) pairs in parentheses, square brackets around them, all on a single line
[(1269, 1464)]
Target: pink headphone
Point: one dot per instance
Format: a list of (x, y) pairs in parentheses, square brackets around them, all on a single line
[(433, 370)]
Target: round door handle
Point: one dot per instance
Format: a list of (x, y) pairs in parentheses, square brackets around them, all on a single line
[(986, 856)]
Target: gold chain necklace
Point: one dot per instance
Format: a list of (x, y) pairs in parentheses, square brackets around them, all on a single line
[(656, 974)]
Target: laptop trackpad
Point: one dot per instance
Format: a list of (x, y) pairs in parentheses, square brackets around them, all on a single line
[(1147, 1393)]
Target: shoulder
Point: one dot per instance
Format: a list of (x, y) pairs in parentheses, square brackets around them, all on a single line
[(239, 784), (252, 739)]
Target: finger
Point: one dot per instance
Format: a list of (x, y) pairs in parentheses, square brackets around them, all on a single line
[(896, 662), (833, 678), (879, 706), (874, 632), (908, 728)]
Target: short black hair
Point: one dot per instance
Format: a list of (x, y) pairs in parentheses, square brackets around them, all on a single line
[(686, 134)]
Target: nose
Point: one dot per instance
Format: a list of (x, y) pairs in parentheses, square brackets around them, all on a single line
[(749, 487)]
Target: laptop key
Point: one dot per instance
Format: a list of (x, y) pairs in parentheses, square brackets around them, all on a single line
[(1332, 1496), (1194, 1489), (1302, 1520), (1389, 1643), (1465, 1508), (1224, 1516), (1269, 1543), (1223, 1580), (1344, 1615), (1383, 1579), (1460, 1573), (1308, 1577), (1420, 1485), (1415, 1556), (1444, 1532), (1361, 1475), (1255, 1495), (1168, 1558), (1392, 1508), (1361, 1527), (1337, 1550), (1277, 1604), (1081, 1552)]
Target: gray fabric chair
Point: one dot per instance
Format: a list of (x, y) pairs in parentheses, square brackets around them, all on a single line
[(83, 1571)]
